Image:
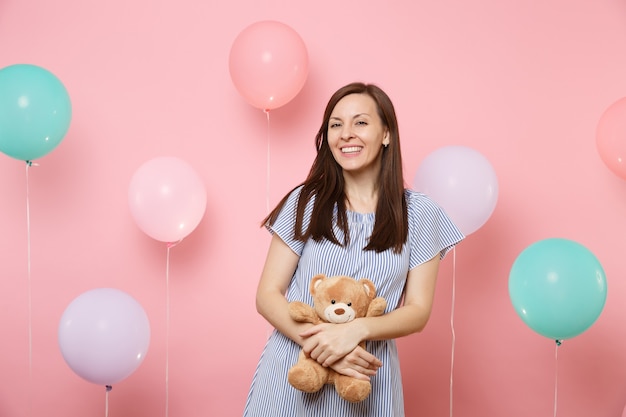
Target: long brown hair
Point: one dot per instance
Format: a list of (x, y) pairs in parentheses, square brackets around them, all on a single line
[(325, 182)]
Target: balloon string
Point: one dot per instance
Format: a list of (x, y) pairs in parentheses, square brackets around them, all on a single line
[(452, 324), (556, 372), (267, 179), (106, 400), (30, 303), (167, 324)]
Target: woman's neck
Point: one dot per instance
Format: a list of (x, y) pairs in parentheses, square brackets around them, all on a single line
[(361, 195)]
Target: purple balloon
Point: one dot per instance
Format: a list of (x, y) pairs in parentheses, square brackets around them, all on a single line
[(463, 182), (104, 335)]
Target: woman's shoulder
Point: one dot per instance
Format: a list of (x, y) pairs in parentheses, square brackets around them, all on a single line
[(295, 193), (291, 201), (420, 205), (417, 199), (296, 190)]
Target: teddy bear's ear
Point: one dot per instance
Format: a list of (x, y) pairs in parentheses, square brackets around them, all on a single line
[(315, 281), (370, 288)]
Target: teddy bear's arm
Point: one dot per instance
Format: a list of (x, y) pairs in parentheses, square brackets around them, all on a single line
[(377, 307), (303, 313)]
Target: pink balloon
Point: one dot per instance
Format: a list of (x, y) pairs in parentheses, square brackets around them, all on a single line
[(104, 335), (268, 64), (463, 182), (611, 137), (167, 199)]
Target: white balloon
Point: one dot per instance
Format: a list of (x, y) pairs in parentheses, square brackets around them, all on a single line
[(463, 182)]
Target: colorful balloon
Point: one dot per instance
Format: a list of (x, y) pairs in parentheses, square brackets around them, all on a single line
[(463, 182), (167, 198), (35, 111), (558, 288), (104, 335), (611, 137), (268, 64)]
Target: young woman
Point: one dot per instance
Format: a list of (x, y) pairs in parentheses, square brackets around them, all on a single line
[(351, 216)]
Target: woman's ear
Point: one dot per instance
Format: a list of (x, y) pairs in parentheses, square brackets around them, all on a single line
[(386, 139)]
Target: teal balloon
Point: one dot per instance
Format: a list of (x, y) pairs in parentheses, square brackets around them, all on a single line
[(558, 288), (35, 111)]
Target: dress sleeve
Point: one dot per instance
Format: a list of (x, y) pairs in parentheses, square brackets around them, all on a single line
[(431, 231), (286, 220)]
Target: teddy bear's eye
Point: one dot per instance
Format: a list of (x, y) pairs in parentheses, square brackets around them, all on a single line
[(349, 304), (332, 301)]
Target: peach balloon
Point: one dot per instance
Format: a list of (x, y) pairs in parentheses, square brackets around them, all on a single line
[(611, 137), (268, 64)]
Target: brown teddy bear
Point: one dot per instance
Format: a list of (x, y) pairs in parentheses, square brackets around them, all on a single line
[(337, 299)]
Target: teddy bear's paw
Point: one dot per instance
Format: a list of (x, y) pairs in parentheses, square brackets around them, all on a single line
[(302, 313), (307, 379), (377, 307), (352, 389)]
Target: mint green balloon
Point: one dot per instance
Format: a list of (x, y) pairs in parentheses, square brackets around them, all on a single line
[(35, 111), (558, 288)]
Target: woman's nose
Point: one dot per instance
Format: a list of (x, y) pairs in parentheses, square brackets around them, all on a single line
[(346, 132)]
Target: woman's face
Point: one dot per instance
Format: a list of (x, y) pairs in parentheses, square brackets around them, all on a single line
[(356, 134)]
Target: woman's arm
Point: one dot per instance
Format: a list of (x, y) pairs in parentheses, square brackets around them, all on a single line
[(280, 265), (328, 344), (416, 308)]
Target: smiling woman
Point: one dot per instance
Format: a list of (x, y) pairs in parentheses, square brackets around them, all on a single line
[(356, 137), (351, 217)]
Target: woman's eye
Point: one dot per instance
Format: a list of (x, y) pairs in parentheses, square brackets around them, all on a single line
[(332, 125), (361, 122)]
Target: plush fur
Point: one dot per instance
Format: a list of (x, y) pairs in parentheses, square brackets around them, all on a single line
[(338, 299)]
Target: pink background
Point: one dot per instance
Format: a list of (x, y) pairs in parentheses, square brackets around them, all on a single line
[(523, 82)]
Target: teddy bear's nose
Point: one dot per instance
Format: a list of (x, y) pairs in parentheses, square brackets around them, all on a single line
[(340, 311)]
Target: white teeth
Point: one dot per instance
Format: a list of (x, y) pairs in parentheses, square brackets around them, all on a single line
[(351, 149)]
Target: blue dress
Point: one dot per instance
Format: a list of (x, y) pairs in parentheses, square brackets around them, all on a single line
[(431, 232)]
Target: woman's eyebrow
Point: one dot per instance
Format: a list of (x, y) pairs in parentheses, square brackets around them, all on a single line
[(354, 117)]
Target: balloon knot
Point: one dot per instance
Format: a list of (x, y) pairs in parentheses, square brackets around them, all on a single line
[(558, 342), (172, 244), (109, 388)]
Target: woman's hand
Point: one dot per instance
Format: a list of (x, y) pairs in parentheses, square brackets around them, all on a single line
[(337, 346), (327, 343), (359, 364)]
